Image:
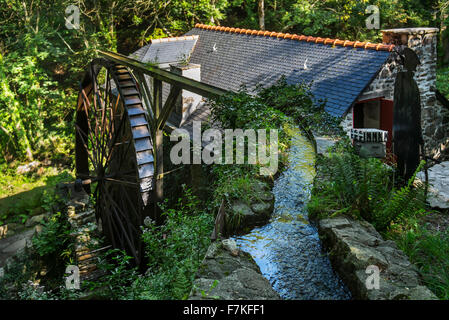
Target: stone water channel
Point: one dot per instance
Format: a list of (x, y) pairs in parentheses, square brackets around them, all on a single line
[(287, 249)]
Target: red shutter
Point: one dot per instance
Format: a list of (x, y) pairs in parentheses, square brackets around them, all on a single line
[(386, 119)]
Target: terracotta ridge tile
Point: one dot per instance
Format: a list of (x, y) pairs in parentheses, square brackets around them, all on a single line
[(296, 37)]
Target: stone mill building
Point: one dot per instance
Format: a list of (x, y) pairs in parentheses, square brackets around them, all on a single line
[(355, 79)]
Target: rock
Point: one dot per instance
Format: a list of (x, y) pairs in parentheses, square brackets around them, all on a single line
[(261, 191), (38, 229), (240, 207), (37, 211), (244, 216), (225, 276), (231, 246), (355, 245), (10, 229), (323, 144), (2, 272), (439, 185), (3, 231), (15, 227), (262, 208), (35, 220), (421, 293), (27, 167), (241, 284), (212, 250), (15, 246)]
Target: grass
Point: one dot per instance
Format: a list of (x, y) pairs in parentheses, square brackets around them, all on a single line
[(26, 195), (429, 251)]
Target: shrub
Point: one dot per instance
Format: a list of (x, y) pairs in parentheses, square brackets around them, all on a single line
[(118, 275), (54, 237), (363, 188), (429, 251), (175, 249)]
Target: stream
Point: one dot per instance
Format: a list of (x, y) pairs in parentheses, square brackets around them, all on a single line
[(287, 249)]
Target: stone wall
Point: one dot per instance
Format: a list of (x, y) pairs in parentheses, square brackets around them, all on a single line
[(355, 247), (228, 273), (347, 122), (434, 117)]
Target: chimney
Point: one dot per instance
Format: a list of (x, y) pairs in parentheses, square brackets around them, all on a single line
[(188, 101), (424, 42)]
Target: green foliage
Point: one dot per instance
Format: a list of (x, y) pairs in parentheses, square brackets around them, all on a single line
[(31, 111), (343, 19), (17, 274), (281, 107), (234, 182), (443, 81), (297, 101), (363, 188), (403, 203), (244, 111), (41, 60), (429, 251), (54, 237), (273, 107), (174, 250), (29, 194), (36, 272), (118, 275), (32, 291)]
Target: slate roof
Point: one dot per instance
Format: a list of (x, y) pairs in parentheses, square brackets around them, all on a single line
[(338, 72), (166, 50)]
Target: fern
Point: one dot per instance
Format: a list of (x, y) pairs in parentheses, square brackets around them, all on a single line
[(363, 188), (182, 284), (402, 203)]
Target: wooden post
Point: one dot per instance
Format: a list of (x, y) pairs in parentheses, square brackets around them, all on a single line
[(158, 147), (219, 223)]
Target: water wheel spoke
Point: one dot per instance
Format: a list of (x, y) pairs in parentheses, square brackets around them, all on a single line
[(105, 120), (107, 156), (87, 107), (118, 219), (123, 182), (113, 142), (125, 154), (130, 204), (86, 147), (105, 108)]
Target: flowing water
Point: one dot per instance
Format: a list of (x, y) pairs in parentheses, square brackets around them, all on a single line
[(287, 249)]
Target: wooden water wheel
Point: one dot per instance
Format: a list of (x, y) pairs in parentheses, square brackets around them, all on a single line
[(114, 152)]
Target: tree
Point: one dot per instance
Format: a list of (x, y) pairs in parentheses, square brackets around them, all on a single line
[(443, 9), (261, 15)]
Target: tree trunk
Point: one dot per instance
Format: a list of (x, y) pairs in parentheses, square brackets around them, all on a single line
[(445, 45), (444, 32), (212, 20), (261, 15)]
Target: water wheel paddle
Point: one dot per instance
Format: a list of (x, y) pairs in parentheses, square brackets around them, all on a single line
[(114, 152)]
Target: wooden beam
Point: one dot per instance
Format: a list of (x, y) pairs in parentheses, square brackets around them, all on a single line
[(168, 106), (158, 147), (191, 85), (146, 93)]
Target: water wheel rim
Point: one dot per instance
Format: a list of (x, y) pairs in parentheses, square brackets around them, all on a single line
[(114, 152)]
